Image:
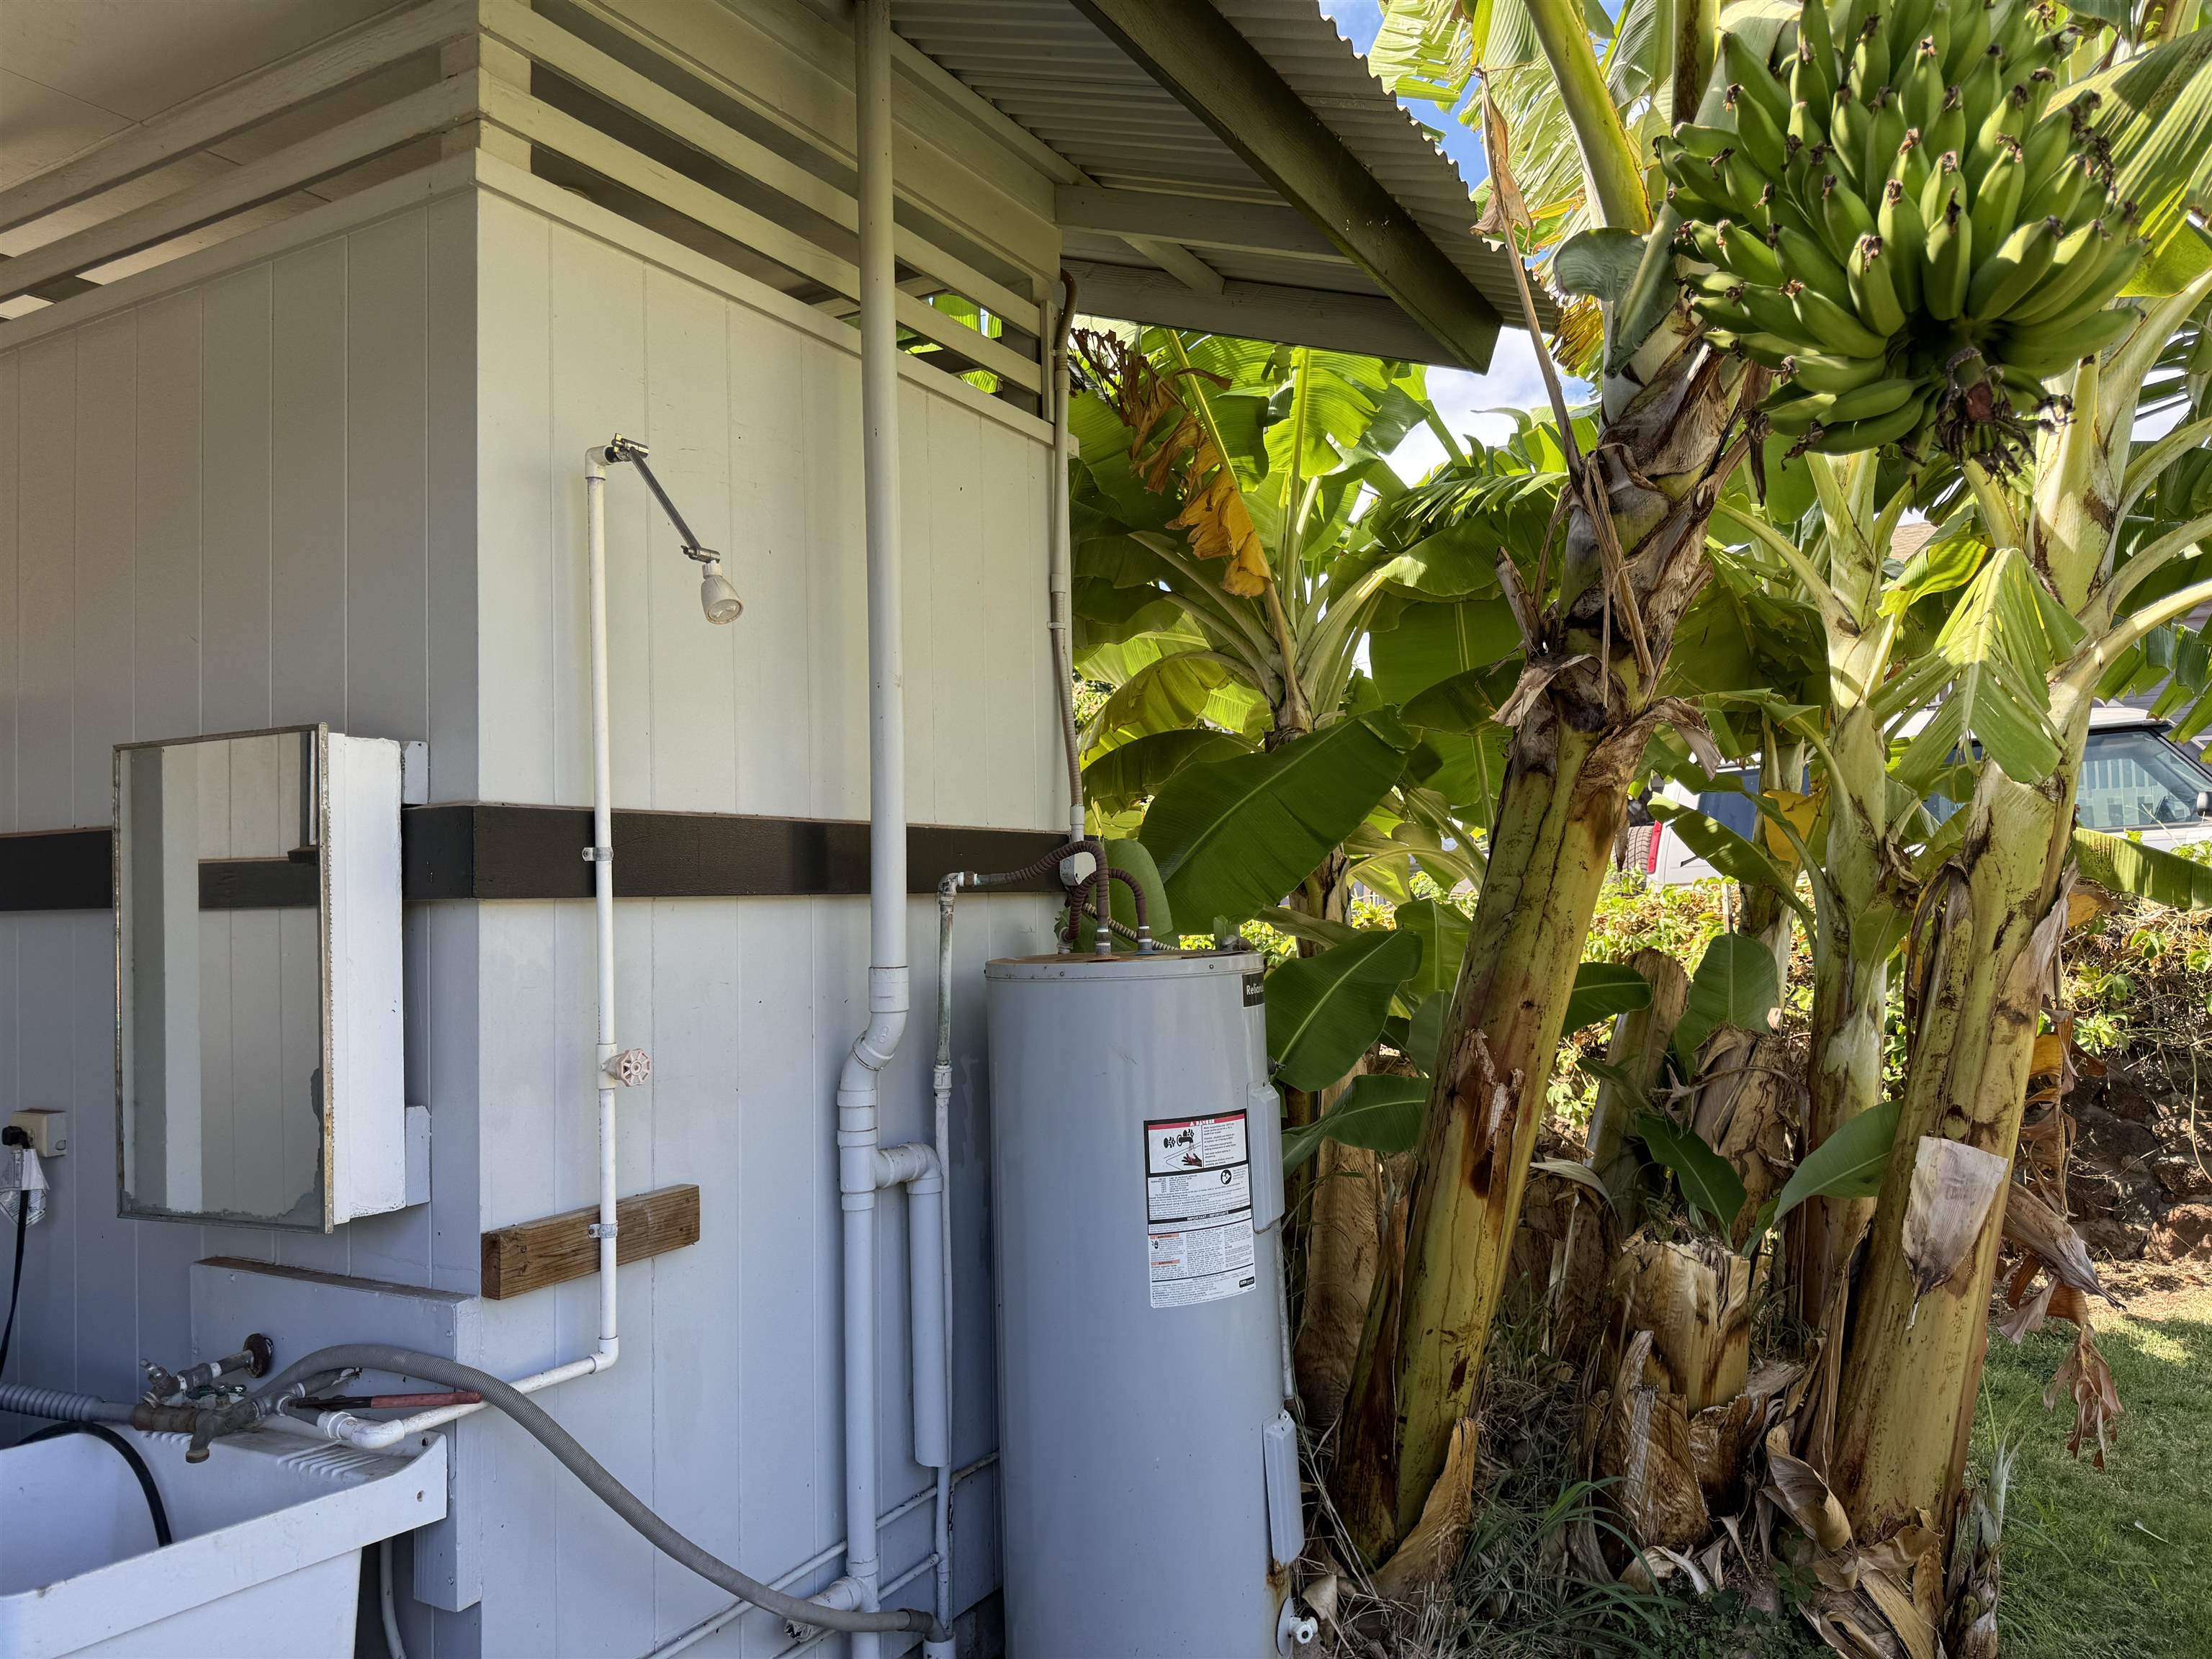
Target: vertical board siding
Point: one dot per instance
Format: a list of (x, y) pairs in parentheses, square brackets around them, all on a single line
[(344, 483), (165, 571), (11, 619), (725, 1409), (45, 592), (309, 503), (224, 493), (387, 440), (106, 408), (238, 427)]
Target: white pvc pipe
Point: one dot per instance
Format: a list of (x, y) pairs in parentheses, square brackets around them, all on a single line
[(387, 1602), (917, 1167), (940, 1092), (603, 896), (1059, 560), (859, 1089), (371, 1436)]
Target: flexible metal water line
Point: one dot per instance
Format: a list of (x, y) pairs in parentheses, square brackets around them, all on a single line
[(940, 1091), (1059, 560)]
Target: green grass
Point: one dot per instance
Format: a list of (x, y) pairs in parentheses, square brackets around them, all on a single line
[(2118, 1564)]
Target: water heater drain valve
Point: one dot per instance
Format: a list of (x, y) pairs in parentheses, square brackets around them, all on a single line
[(1298, 1627), (630, 1067)]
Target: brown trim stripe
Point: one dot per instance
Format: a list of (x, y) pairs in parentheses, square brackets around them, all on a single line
[(479, 850)]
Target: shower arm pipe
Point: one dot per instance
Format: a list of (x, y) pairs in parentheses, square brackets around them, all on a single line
[(630, 451)]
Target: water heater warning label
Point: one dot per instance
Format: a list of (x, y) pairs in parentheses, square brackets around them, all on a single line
[(1198, 1209)]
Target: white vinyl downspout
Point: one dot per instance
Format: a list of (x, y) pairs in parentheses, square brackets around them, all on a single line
[(863, 1166)]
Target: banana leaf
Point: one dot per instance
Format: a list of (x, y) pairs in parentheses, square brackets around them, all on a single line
[(1231, 837), (1325, 1010)]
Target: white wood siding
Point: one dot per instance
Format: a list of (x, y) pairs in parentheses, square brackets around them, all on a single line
[(214, 517), (724, 1411), (344, 483)]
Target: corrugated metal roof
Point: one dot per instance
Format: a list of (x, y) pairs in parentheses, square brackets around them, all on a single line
[(1049, 67)]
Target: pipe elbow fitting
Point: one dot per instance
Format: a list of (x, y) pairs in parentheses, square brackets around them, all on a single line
[(872, 1051), (912, 1164), (360, 1432)]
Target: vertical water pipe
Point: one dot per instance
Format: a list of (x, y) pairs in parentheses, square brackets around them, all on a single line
[(1058, 559), (604, 1063), (859, 1087), (610, 1067)]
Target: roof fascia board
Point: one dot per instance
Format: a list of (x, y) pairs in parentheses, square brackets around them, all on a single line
[(1363, 323), (1198, 221), (1198, 55)]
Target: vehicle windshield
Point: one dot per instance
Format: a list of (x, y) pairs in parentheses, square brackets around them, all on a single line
[(2136, 780)]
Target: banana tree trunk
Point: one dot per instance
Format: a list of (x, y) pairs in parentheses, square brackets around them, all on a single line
[(1914, 1364), (1850, 988), (1766, 918), (1550, 851), (1640, 1045), (1343, 1248), (1586, 707), (1325, 895)]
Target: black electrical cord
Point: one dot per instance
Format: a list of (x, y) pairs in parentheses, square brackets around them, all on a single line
[(15, 1137), (163, 1536)]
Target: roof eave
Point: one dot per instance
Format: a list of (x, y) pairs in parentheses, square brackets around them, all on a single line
[(1198, 56)]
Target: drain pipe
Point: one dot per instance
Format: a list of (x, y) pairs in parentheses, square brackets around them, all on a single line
[(864, 1167)]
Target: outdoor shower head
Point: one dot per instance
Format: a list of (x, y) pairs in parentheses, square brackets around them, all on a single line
[(716, 597)]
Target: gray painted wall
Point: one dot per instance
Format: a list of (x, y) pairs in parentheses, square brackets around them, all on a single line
[(343, 485)]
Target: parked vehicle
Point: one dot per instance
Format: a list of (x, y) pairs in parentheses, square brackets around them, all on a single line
[(2136, 780)]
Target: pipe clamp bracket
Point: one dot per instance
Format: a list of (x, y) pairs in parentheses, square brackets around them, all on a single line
[(603, 1229), (598, 855)]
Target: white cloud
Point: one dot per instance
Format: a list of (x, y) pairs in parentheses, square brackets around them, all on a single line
[(1512, 381)]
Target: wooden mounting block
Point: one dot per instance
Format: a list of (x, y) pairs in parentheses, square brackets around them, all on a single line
[(532, 1254)]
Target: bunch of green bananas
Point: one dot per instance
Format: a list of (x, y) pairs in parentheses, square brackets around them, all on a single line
[(1899, 224)]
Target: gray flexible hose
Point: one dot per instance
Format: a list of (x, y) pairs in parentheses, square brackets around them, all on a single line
[(534, 1418), (63, 1407)]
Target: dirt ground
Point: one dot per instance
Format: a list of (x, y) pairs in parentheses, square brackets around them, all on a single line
[(2141, 1182)]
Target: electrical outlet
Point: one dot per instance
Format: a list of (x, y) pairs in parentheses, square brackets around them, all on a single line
[(48, 1130)]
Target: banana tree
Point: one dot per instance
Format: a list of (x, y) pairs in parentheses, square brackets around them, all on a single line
[(2073, 583), (1597, 615), (1833, 561), (1271, 460)]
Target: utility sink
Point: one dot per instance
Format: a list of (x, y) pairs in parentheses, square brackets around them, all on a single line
[(266, 1560)]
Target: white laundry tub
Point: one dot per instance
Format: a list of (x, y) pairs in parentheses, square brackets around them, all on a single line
[(266, 1560)]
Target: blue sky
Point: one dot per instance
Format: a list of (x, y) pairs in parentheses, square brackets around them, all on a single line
[(1357, 21), (1514, 381)]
